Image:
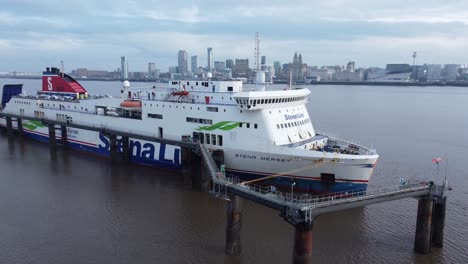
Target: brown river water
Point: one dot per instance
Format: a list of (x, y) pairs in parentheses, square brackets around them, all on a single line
[(70, 207)]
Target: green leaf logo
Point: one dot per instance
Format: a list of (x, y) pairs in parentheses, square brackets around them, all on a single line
[(224, 125)]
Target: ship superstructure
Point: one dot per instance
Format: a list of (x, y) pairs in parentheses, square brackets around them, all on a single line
[(261, 132)]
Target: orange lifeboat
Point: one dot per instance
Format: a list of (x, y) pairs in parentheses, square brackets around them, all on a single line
[(131, 104), (180, 93)]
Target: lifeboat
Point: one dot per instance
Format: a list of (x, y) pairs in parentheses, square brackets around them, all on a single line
[(180, 93), (131, 104)]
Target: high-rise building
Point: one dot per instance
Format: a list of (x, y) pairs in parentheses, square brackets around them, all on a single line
[(219, 65), (209, 65), (277, 67), (124, 68), (183, 62), (241, 69), (263, 63), (194, 63), (230, 64), (151, 70)]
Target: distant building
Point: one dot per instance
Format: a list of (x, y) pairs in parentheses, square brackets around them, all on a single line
[(210, 59), (219, 66), (97, 74), (351, 66), (322, 74), (277, 68), (230, 64), (152, 70), (451, 72), (183, 62), (374, 73), (123, 68), (433, 72), (397, 68), (81, 72), (173, 69), (194, 63), (241, 68), (419, 73), (298, 68), (263, 65), (347, 76)]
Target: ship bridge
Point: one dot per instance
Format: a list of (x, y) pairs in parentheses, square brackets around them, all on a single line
[(257, 100)]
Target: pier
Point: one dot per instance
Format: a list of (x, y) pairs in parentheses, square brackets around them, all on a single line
[(202, 167)]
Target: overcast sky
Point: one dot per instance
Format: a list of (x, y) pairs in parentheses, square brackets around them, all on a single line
[(94, 34)]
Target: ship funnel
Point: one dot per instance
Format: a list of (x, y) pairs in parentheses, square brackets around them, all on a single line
[(54, 81)]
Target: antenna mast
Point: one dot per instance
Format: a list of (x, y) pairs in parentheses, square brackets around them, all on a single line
[(257, 51), (62, 68)]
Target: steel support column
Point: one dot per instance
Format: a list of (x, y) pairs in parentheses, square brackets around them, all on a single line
[(52, 138), (302, 253), (234, 226), (422, 240), (438, 223)]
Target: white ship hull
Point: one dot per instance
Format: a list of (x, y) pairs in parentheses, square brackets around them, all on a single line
[(262, 133)]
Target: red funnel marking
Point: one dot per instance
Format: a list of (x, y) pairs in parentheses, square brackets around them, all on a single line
[(55, 81)]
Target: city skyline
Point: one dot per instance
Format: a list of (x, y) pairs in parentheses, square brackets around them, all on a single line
[(36, 35)]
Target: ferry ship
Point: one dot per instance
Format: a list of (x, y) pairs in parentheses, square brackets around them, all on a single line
[(261, 132)]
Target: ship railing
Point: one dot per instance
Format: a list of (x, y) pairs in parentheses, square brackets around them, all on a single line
[(350, 144), (310, 201)]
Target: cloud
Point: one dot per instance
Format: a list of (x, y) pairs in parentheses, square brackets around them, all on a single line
[(97, 33)]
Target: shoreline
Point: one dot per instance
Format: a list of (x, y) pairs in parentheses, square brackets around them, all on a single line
[(366, 83)]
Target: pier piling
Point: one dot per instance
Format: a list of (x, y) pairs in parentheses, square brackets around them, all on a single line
[(126, 149), (233, 226), (63, 131), (302, 253), (20, 127), (438, 223), (113, 148), (422, 241), (9, 126), (52, 138)]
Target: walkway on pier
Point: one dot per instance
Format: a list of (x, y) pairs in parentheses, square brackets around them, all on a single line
[(301, 210), (305, 207)]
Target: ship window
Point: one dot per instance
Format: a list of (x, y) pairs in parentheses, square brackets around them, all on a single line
[(248, 125), (230, 89), (213, 139), (220, 140), (207, 137), (202, 138), (196, 83), (155, 116), (240, 124), (255, 126), (277, 126), (282, 126), (269, 101)]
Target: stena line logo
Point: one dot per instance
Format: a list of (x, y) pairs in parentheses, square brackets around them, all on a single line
[(292, 117), (140, 150), (49, 83)]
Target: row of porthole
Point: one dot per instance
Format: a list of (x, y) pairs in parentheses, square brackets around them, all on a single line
[(293, 124), (183, 107), (22, 102), (287, 110)]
